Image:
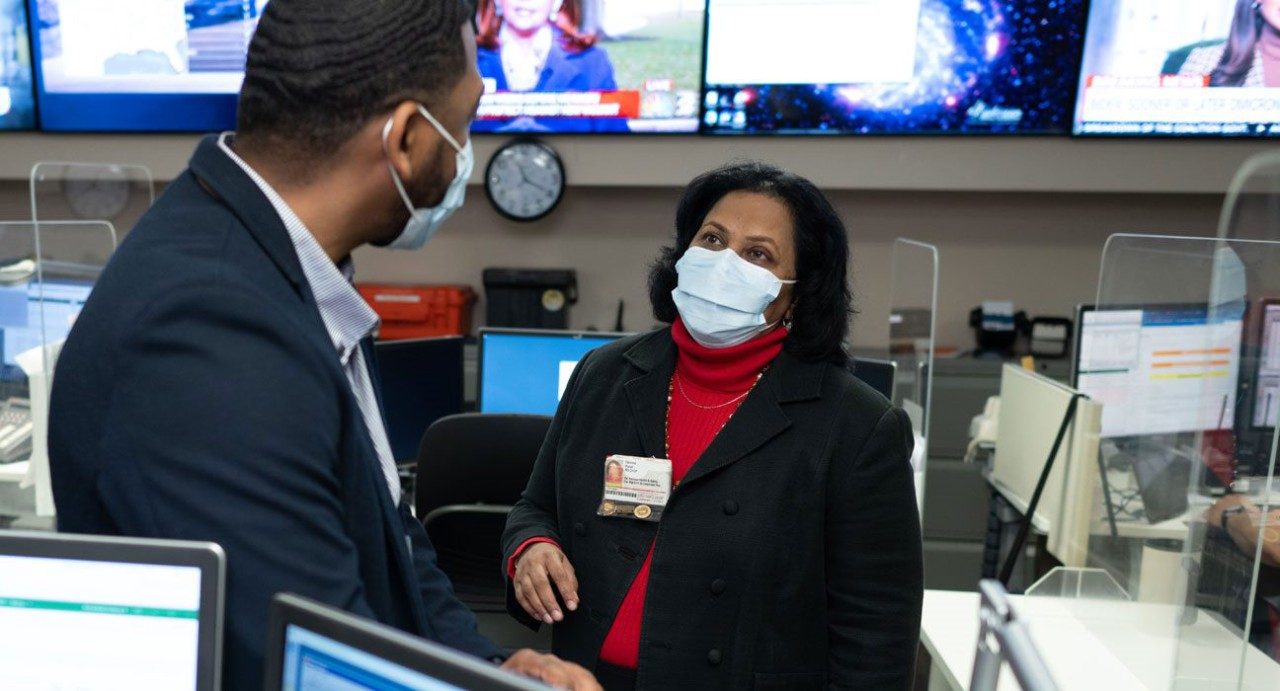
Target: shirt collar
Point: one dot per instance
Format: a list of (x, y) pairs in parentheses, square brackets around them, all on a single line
[(347, 317)]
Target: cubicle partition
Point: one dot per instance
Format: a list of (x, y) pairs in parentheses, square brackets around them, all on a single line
[(1176, 353), (913, 305)]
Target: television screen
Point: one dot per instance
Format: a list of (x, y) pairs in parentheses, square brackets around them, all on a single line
[(141, 65), (1156, 68), (17, 98), (891, 66), (590, 65)]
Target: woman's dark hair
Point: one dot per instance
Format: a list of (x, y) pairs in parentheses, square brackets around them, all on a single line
[(823, 303), (568, 20), (1242, 45)]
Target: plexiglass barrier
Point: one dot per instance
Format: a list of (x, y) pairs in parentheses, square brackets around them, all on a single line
[(1175, 349), (46, 274), (114, 193), (913, 304)]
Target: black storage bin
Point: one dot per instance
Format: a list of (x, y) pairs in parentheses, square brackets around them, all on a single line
[(529, 298)]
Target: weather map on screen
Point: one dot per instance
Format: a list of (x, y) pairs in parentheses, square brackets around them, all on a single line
[(891, 66), (589, 65), (1157, 68)]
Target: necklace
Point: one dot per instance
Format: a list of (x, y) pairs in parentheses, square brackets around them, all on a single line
[(671, 390)]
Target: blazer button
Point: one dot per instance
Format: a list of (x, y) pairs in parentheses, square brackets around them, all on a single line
[(713, 657), (717, 586), (579, 529), (730, 507)]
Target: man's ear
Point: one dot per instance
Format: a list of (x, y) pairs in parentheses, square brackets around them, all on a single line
[(404, 141)]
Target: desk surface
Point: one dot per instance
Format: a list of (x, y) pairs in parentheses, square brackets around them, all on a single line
[(1096, 645), (14, 472)]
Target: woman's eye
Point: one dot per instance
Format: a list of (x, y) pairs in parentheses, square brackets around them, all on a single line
[(758, 256), (710, 240)]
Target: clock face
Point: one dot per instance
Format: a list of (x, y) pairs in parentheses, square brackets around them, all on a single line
[(525, 180), (98, 195)]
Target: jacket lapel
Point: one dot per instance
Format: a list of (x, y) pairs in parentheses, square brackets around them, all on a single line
[(758, 420), (655, 356)]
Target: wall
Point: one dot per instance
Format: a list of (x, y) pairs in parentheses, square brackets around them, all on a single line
[(1040, 249)]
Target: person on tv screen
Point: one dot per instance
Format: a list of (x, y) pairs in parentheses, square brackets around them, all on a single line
[(537, 46), (1250, 56)]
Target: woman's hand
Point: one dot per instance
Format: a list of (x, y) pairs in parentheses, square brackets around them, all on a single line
[(550, 669), (541, 565)]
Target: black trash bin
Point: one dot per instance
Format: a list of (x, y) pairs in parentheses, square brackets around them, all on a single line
[(529, 298)]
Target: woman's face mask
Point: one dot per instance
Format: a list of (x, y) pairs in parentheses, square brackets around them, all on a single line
[(722, 297)]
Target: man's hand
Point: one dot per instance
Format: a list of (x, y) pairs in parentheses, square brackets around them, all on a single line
[(1214, 516), (540, 566), (551, 670)]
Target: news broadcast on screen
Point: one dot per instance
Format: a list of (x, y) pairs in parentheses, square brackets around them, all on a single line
[(1160, 68), (891, 66), (589, 65)]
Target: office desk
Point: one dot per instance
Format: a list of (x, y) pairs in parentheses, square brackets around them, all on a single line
[(1095, 645)]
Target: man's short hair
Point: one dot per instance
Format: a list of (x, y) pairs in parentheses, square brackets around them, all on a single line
[(317, 70)]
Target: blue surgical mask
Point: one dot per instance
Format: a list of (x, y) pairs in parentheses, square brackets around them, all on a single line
[(722, 297), (423, 224)]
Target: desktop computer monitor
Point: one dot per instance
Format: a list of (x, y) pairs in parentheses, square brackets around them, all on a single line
[(421, 382), (79, 612), (1265, 403), (878, 374), (524, 371), (21, 324), (313, 647), (1160, 370)]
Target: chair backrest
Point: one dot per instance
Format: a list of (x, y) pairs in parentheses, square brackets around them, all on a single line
[(477, 458)]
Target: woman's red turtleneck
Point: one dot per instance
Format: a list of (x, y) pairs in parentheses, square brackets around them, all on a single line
[(714, 379)]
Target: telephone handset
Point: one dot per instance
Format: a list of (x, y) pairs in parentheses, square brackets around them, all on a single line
[(15, 430)]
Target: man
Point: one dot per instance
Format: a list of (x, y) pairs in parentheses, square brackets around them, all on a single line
[(218, 384)]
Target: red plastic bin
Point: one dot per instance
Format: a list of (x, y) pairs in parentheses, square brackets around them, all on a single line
[(417, 311)]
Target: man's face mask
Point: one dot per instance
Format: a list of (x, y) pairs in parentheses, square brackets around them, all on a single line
[(424, 223)]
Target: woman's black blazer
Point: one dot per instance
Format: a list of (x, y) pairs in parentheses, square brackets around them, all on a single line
[(790, 556)]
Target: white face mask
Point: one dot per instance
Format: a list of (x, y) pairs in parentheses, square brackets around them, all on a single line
[(722, 297), (423, 224)]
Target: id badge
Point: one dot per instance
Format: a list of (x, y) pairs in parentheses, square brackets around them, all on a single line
[(635, 488)]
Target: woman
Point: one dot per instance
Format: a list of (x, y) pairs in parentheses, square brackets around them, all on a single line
[(788, 554), (536, 46), (1250, 57)]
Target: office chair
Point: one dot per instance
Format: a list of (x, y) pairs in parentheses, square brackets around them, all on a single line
[(471, 470)]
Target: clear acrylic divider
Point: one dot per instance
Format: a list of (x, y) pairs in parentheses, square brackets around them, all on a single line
[(1239, 569), (45, 277), (1171, 352), (913, 305), (115, 193)]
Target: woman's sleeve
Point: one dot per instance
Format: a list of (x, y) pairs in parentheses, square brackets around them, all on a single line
[(875, 565), (534, 516)]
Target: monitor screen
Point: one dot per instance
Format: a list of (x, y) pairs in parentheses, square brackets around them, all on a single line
[(610, 66), (141, 65), (1160, 370), (17, 96), (1180, 69), (83, 624), (21, 325), (891, 66), (313, 662), (1266, 390), (421, 382), (527, 372)]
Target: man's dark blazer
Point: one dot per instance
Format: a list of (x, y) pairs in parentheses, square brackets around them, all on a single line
[(199, 397), (790, 555)]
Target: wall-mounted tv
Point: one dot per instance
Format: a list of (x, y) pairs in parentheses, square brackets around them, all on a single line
[(17, 97), (1190, 69), (586, 66), (141, 65), (891, 66)]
